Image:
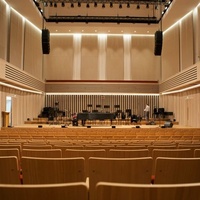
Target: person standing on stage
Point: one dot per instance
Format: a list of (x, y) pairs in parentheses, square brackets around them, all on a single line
[(146, 110)]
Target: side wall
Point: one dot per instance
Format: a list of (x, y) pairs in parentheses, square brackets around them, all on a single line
[(20, 45), (181, 49)]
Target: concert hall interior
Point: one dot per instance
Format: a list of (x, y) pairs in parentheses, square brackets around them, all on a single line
[(100, 99)]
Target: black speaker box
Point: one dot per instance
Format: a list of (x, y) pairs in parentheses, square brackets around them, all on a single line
[(45, 41), (168, 124), (158, 43)]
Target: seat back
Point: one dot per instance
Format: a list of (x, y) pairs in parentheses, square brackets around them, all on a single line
[(43, 153), (177, 170), (9, 170), (72, 191), (52, 170), (117, 191), (86, 154), (10, 152), (117, 153), (152, 147), (122, 170), (35, 146), (171, 153)]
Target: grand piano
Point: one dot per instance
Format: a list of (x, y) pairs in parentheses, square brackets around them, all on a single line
[(95, 116)]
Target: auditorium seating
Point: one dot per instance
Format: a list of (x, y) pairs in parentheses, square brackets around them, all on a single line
[(52, 170), (177, 170), (120, 191), (9, 170), (42, 153), (121, 153), (123, 170), (86, 154), (170, 153), (71, 191)]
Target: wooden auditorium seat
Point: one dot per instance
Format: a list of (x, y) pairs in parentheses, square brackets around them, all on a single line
[(177, 170), (197, 153), (126, 153), (53, 170), (9, 170), (71, 191), (43, 153), (170, 153), (120, 191), (35, 146), (122, 170), (10, 152), (152, 147), (86, 154)]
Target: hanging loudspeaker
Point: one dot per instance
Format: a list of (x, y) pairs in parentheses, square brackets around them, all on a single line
[(158, 43), (45, 41)]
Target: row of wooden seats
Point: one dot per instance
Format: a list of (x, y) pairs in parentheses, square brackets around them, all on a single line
[(25, 150), (93, 132), (103, 191), (124, 170)]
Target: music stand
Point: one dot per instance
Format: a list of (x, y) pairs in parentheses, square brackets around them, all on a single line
[(106, 107)]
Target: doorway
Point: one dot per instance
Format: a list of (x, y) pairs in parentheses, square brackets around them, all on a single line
[(9, 108)]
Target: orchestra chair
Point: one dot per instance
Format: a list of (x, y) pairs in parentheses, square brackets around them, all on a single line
[(9, 170), (121, 191), (122, 170), (71, 191), (126, 153), (177, 170), (53, 170), (42, 153)]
